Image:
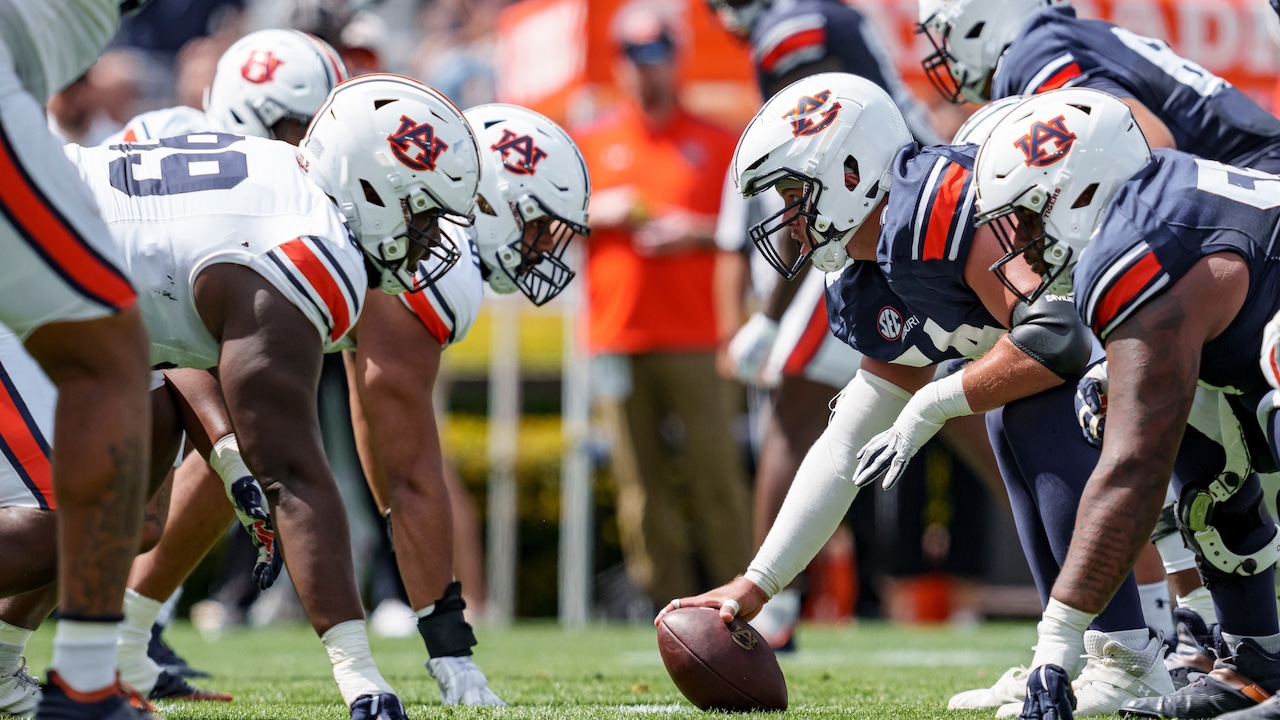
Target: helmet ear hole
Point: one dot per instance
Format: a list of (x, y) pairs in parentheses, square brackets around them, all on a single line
[(370, 194), (975, 31), (1085, 197), (483, 206), (851, 175)]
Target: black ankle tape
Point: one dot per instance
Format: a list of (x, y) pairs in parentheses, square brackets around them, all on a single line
[(445, 631)]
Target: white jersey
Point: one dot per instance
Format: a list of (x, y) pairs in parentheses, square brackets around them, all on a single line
[(162, 123), (449, 307), (52, 42), (182, 204)]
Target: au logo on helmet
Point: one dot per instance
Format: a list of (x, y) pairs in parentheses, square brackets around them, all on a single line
[(1047, 143), (416, 145), (519, 154), (808, 116), (260, 67)]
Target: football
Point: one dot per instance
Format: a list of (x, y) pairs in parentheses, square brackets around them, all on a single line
[(720, 666)]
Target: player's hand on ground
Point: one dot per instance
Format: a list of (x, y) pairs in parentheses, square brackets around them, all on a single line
[(750, 347), (740, 598), (251, 509), (1091, 403)]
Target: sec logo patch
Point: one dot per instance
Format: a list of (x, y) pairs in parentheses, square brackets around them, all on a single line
[(889, 323)]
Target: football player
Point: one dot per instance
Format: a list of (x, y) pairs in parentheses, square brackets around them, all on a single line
[(786, 345), (248, 265), (998, 48), (1177, 284), (65, 293), (268, 84), (989, 49), (919, 293), (531, 204)]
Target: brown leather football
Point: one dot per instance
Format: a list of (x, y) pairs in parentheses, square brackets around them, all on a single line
[(720, 666)]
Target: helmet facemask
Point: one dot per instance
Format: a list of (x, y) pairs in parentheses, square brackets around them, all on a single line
[(419, 256), (536, 265), (819, 231), (1022, 233), (953, 79)]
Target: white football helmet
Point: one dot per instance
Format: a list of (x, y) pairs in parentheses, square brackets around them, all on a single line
[(533, 176), (269, 76), (980, 124), (388, 148), (968, 38), (834, 136), (1055, 162), (739, 16)]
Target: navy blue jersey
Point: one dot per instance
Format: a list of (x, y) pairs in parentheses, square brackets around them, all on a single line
[(791, 33), (919, 271), (1206, 115), (1175, 211)]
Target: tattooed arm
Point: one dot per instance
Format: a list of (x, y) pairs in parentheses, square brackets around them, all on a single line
[(1154, 357)]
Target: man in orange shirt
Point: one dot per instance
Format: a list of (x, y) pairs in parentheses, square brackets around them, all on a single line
[(683, 500)]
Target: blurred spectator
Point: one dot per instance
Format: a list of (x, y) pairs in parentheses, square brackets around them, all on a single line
[(99, 102), (683, 502), (457, 49), (161, 33)]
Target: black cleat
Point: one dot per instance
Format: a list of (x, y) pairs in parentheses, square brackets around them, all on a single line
[(173, 687), (1193, 654), (1235, 683), (1049, 695), (112, 703), (1269, 710), (164, 656), (378, 707)]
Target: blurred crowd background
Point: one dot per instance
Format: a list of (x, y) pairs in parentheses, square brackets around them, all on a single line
[(940, 547)]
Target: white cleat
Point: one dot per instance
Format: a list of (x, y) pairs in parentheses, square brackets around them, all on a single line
[(19, 693), (461, 682), (1114, 674), (1010, 688)]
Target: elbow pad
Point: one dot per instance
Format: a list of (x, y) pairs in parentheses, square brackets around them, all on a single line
[(1050, 331)]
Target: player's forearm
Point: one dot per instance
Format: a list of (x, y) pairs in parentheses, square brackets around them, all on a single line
[(1003, 375), (821, 493)]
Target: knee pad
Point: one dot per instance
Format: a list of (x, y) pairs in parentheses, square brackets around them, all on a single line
[(1219, 522), (445, 631)]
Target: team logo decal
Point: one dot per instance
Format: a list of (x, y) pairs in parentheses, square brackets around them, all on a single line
[(416, 145), (1047, 143), (808, 117), (889, 323), (519, 154), (742, 636), (260, 67)]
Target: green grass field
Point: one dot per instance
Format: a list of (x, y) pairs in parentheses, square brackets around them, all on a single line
[(867, 670)]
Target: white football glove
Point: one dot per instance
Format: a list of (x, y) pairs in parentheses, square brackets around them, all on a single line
[(1091, 403), (885, 456), (750, 346), (1270, 360), (250, 503)]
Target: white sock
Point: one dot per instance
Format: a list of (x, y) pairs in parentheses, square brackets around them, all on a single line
[(84, 654), (1061, 637), (353, 668), (1157, 611), (1201, 602), (1137, 639), (13, 643), (170, 608), (1269, 643), (136, 667)]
